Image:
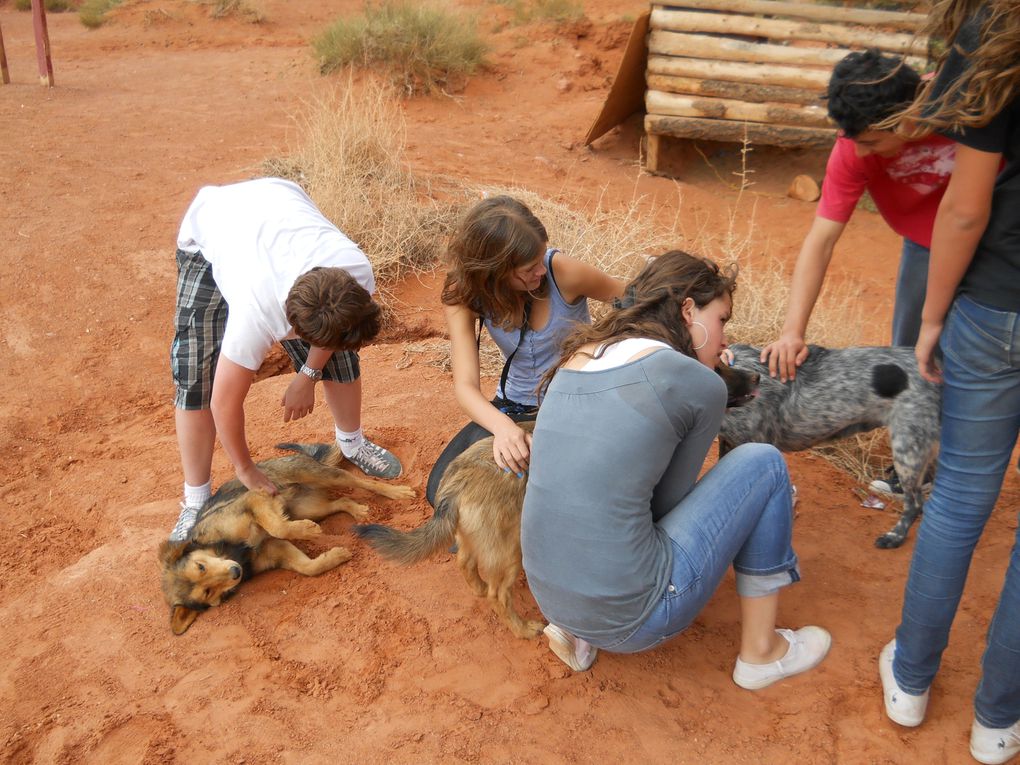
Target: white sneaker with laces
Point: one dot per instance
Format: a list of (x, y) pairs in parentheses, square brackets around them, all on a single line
[(185, 523), (902, 708), (994, 745), (576, 653), (808, 646), (375, 461)]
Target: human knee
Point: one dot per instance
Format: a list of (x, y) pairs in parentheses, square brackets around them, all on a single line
[(767, 458)]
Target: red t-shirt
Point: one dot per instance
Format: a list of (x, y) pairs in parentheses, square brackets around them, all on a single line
[(906, 188)]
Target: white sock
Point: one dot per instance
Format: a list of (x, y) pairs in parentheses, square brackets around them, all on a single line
[(195, 496), (349, 443)]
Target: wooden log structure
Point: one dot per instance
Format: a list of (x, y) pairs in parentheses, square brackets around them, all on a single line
[(757, 70), (674, 105), (779, 29), (661, 42), (742, 91), (908, 22)]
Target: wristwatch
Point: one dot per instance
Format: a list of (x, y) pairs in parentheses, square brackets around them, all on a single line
[(315, 374)]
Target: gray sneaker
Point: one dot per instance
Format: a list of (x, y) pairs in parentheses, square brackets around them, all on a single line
[(185, 523), (375, 461)]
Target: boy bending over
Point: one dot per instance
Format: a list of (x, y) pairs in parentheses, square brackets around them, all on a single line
[(258, 264)]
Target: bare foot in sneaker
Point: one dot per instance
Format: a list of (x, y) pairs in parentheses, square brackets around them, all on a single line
[(576, 653), (806, 649)]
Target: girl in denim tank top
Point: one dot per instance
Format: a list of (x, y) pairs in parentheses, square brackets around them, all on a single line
[(501, 271)]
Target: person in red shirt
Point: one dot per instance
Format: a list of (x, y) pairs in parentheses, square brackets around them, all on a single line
[(906, 180)]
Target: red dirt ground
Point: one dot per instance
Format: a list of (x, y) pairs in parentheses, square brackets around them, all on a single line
[(370, 663)]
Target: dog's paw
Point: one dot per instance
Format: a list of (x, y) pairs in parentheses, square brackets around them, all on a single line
[(398, 492), (357, 511), (889, 541), (532, 629), (334, 556), (304, 529)]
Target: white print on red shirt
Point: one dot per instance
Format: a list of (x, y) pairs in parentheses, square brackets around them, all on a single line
[(923, 167)]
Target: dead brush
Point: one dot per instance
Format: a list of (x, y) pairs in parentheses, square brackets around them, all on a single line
[(350, 160)]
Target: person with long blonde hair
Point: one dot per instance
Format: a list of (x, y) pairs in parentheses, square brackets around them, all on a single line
[(971, 315)]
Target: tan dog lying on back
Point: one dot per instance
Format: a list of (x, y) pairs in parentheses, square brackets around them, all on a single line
[(240, 533), (479, 505)]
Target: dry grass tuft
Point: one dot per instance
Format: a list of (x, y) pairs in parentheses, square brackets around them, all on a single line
[(351, 162), (241, 9)]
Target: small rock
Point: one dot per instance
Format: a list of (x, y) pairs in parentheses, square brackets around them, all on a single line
[(804, 188)]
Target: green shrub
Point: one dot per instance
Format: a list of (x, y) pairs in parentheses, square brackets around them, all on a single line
[(426, 48), (92, 13)]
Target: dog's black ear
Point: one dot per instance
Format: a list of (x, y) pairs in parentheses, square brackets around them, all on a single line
[(181, 617)]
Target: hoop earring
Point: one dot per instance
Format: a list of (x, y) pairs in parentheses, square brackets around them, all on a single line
[(703, 342)]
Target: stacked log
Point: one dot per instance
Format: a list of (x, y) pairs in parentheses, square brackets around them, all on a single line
[(756, 70)]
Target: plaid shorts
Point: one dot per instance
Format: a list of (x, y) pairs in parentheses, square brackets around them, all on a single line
[(200, 320)]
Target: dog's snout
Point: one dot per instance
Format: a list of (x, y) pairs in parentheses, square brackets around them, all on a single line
[(235, 571)]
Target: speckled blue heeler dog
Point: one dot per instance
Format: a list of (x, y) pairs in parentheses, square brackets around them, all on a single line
[(840, 392)]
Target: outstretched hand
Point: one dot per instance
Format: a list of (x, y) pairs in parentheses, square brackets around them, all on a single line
[(255, 480), (511, 449), (299, 398), (784, 356)]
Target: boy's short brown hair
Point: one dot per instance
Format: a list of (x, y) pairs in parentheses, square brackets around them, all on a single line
[(329, 309)]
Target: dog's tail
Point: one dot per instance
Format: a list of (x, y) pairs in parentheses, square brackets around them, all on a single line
[(327, 454), (418, 544), (889, 380)]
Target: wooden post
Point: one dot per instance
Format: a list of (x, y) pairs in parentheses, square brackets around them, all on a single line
[(740, 91), (910, 22), (5, 75), (702, 129), (653, 145), (42, 43), (735, 71), (675, 105), (778, 29)]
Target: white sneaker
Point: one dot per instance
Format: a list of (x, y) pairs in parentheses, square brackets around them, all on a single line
[(808, 646), (994, 745), (902, 708), (576, 653), (185, 523)]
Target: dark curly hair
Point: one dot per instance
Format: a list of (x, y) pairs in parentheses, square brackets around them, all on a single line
[(867, 88)]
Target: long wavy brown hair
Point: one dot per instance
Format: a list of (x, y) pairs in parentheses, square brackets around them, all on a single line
[(990, 82), (651, 306), (496, 236)]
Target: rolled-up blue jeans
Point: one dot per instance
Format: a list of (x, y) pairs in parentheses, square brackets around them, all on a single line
[(980, 422), (911, 287), (740, 513)]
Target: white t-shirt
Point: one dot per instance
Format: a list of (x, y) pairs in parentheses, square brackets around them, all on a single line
[(260, 236)]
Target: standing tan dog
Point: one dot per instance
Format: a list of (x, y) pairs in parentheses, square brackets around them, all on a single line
[(240, 533), (479, 506)]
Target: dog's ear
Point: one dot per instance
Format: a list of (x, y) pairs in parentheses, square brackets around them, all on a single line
[(171, 552), (181, 617)]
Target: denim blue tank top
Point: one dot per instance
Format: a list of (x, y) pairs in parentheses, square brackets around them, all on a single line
[(539, 350)]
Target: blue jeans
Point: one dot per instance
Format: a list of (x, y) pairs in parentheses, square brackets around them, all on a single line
[(980, 422), (740, 512), (911, 285)]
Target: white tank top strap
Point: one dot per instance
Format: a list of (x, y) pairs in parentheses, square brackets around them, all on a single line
[(618, 354)]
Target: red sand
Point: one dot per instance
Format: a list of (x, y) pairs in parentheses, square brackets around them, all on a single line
[(370, 663)]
